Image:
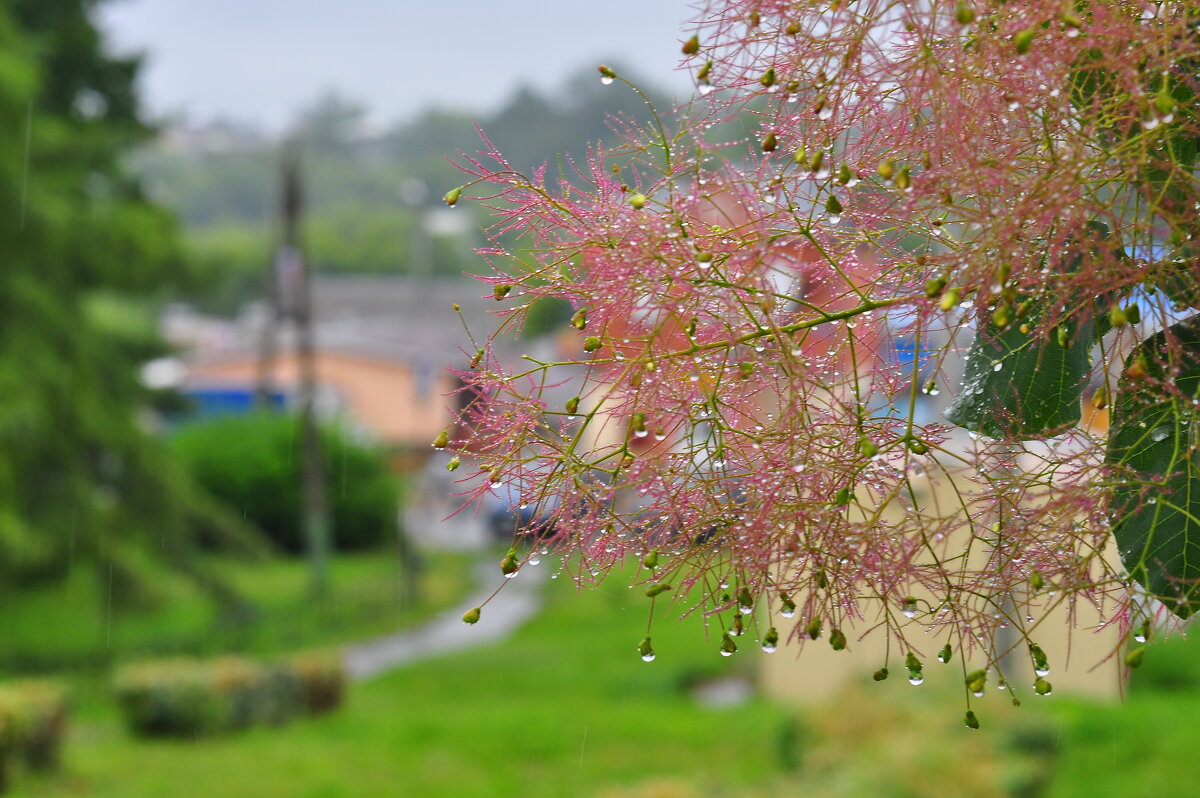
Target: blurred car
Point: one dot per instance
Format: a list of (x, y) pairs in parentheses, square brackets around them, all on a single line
[(507, 518)]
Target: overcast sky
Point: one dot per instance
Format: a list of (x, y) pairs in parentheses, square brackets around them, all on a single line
[(262, 60)]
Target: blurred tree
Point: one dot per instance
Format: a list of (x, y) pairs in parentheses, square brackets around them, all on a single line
[(83, 250)]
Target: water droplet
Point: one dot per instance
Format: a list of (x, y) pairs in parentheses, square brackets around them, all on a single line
[(1042, 671), (997, 365), (1160, 434), (835, 219), (769, 648), (706, 89), (787, 613), (606, 80), (915, 679), (647, 658), (640, 433)]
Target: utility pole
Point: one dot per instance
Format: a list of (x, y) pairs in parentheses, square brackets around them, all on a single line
[(294, 287)]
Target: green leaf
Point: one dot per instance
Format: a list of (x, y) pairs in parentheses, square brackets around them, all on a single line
[(1020, 384), (1154, 447)]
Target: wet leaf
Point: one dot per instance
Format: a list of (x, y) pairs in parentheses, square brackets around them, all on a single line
[(1021, 385), (1154, 445)]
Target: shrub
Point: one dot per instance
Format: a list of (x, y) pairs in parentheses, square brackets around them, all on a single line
[(252, 463), (322, 681), (189, 698), (33, 720), (171, 698)]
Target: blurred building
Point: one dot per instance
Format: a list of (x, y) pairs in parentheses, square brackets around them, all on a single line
[(384, 346)]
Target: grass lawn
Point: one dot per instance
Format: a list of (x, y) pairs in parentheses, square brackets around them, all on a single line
[(70, 626), (563, 709), (566, 708)]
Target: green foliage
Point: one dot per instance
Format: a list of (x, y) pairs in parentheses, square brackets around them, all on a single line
[(1019, 384), (84, 252), (1154, 449), (252, 465)]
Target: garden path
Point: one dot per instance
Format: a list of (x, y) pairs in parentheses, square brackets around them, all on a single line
[(511, 607)]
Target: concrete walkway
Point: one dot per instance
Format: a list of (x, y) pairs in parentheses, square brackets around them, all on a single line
[(516, 603)]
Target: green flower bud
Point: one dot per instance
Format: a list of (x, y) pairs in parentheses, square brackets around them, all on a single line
[(471, 616), (442, 440), (1164, 102), (964, 13), (880, 674), (645, 649), (813, 630), (451, 196), (1042, 687), (832, 206), (1002, 316), (1134, 658), (867, 448), (912, 663), (837, 639), (886, 170), (591, 343), (509, 564), (572, 405), (728, 645), (702, 74), (971, 721), (787, 606), (638, 201), (769, 142), (651, 560), (771, 638), (842, 497), (768, 78), (1023, 40), (844, 174), (949, 299), (744, 598), (691, 46), (605, 72), (657, 590), (934, 287), (1036, 582), (454, 463), (1117, 316), (946, 654), (501, 291), (579, 320), (917, 446), (1133, 314)]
